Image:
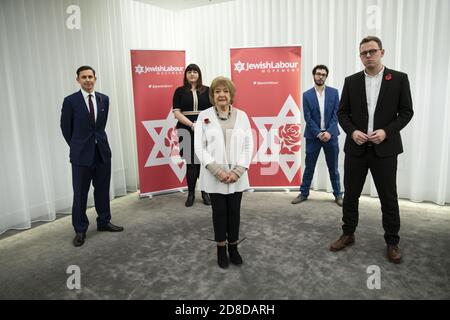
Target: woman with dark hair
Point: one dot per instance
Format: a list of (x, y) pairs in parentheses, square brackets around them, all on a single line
[(188, 101)]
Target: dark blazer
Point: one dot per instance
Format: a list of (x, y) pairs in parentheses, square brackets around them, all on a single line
[(311, 112), (392, 113), (184, 101), (81, 133)]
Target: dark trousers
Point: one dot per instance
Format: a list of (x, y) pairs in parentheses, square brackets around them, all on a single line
[(192, 173), (384, 173), (331, 150), (186, 139), (226, 215), (100, 174)]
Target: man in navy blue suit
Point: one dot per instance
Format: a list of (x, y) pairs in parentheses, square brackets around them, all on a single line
[(320, 105), (83, 120)]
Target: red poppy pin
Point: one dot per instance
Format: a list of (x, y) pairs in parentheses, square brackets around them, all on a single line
[(206, 120), (388, 76)]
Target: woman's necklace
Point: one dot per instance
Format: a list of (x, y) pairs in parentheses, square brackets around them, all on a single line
[(223, 117)]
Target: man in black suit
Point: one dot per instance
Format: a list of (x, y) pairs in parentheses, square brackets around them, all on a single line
[(375, 105), (83, 120)]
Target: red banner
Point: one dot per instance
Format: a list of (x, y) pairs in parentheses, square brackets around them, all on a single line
[(268, 88), (156, 75)]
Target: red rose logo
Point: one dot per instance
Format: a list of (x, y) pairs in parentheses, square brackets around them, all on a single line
[(171, 141), (206, 120), (289, 138), (388, 76)]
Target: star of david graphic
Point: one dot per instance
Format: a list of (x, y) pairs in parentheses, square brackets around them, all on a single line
[(269, 148), (161, 153), (139, 69), (239, 66)]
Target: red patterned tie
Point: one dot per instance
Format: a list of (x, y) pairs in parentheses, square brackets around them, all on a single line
[(91, 109)]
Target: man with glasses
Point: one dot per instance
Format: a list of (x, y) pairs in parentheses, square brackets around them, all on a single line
[(375, 105), (320, 105)]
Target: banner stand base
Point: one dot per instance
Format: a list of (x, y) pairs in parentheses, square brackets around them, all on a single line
[(254, 189), (273, 189), (162, 192)]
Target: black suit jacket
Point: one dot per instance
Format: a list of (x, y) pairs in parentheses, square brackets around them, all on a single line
[(393, 111), (81, 133)]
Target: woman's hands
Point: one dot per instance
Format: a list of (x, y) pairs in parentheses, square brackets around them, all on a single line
[(232, 177), (227, 177)]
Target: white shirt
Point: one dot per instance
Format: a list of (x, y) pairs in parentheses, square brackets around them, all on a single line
[(195, 100), (94, 101), (373, 85), (321, 99)]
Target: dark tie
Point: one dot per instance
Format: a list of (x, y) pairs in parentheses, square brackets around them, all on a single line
[(91, 109)]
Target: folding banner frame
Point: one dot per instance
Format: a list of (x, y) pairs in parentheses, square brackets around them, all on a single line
[(267, 81), (156, 74)]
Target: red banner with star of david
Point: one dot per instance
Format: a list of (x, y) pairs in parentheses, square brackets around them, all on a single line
[(267, 81), (156, 74)]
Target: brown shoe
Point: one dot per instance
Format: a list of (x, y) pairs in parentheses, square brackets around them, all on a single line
[(299, 198), (394, 254), (344, 241), (339, 201)]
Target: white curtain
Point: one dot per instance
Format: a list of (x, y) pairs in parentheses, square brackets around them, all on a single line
[(39, 55), (414, 35)]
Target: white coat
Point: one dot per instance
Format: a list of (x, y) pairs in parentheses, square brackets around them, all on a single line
[(209, 144)]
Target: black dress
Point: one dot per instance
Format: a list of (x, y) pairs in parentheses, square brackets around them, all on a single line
[(190, 104)]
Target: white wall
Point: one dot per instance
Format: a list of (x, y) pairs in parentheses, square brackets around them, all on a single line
[(38, 59)]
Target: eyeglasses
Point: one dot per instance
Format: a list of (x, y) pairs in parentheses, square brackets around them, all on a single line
[(371, 52), (320, 74)]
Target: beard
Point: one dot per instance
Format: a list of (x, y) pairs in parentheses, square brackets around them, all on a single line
[(319, 82)]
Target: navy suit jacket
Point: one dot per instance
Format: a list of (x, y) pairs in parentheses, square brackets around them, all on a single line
[(311, 112), (393, 111), (80, 133)]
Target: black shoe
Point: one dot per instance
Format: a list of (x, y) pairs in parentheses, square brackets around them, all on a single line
[(190, 199), (222, 258), (299, 198), (206, 199), (78, 241), (110, 227), (235, 257)]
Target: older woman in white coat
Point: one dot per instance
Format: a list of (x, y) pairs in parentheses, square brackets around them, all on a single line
[(224, 146)]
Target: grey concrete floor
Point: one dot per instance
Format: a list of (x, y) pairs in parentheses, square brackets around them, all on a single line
[(164, 253)]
